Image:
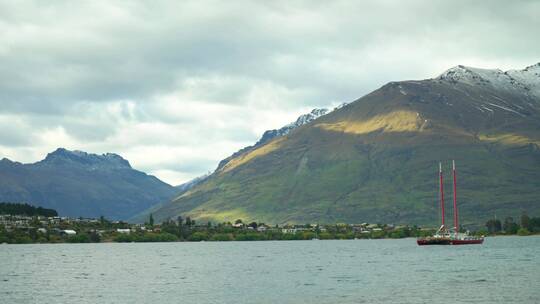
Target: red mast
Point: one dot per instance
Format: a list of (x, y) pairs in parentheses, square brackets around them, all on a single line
[(456, 227), (442, 193)]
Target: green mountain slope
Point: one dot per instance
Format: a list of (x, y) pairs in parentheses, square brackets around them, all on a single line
[(376, 159)]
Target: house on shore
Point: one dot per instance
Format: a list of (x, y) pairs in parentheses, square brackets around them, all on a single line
[(68, 232)]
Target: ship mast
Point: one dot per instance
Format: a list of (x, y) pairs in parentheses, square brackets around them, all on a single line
[(442, 195), (456, 226)]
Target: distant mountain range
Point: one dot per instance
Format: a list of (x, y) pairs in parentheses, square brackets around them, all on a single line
[(375, 159), (77, 184)]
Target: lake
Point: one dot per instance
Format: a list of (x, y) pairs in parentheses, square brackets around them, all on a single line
[(502, 270)]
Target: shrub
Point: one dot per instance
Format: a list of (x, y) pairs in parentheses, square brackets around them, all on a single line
[(325, 236), (523, 231), (23, 239), (222, 237), (157, 237), (250, 236), (79, 238), (124, 238), (198, 236)]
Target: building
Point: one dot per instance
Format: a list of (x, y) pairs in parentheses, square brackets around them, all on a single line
[(288, 230), (372, 226)]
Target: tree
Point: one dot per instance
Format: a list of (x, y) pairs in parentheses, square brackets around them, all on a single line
[(179, 220), (238, 221), (253, 225), (151, 220), (525, 221), (94, 236), (509, 226), (493, 226), (171, 227), (535, 224)]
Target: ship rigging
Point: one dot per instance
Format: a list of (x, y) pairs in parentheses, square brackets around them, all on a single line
[(445, 236)]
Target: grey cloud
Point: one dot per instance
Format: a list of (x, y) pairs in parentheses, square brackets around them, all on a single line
[(14, 133), (149, 49), (194, 167), (66, 63)]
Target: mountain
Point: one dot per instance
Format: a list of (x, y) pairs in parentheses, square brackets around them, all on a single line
[(267, 136), (376, 159), (77, 183), (271, 134)]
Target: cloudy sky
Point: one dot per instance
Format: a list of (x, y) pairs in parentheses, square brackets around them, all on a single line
[(176, 86)]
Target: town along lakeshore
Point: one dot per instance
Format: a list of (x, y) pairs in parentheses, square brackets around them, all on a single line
[(21, 229)]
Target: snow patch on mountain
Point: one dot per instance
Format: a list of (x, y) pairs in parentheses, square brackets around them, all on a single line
[(530, 77), (300, 121), (341, 105), (521, 82)]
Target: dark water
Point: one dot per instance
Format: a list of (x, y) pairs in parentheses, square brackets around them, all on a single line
[(503, 270)]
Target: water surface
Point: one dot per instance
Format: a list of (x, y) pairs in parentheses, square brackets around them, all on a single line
[(502, 270)]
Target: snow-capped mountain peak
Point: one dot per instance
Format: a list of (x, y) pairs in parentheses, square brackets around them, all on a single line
[(301, 120), (465, 74), (306, 118), (526, 81), (530, 77)]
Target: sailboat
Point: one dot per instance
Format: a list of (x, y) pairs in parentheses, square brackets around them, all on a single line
[(445, 236)]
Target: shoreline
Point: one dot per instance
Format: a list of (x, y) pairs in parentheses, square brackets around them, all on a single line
[(244, 241)]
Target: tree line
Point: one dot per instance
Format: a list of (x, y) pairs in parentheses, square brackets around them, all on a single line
[(26, 209), (526, 226)]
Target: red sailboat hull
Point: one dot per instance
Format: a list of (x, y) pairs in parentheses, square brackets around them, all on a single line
[(447, 241), (466, 242)]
